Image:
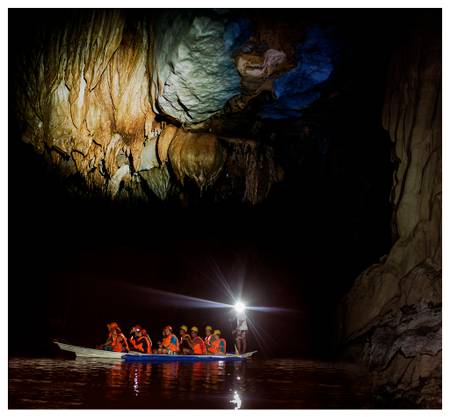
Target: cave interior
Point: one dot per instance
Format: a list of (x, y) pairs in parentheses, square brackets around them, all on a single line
[(279, 178)]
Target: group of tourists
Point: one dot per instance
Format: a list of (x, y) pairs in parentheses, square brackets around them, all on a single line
[(187, 343)]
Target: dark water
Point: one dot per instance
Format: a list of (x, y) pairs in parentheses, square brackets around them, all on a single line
[(100, 383)]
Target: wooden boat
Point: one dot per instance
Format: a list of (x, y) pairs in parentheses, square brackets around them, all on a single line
[(132, 357), (83, 352)]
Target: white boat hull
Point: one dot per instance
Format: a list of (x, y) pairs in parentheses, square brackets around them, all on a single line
[(83, 352)]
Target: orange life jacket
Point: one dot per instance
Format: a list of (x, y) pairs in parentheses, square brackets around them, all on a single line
[(211, 343), (169, 344), (139, 345), (118, 342), (220, 346), (199, 346)]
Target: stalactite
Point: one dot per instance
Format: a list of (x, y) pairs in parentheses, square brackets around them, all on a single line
[(255, 164), (198, 156), (164, 141), (158, 180), (85, 94)]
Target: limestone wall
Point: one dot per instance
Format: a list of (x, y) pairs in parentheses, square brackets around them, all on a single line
[(391, 318)]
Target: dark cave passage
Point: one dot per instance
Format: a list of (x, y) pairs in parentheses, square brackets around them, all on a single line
[(299, 251)]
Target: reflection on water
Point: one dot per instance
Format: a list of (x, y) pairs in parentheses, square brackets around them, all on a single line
[(236, 400), (99, 383)]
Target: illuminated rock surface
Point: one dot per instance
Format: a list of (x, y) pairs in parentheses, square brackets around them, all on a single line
[(196, 156), (91, 91), (300, 87), (392, 315), (193, 72)]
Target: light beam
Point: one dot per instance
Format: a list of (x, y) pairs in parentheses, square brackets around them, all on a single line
[(239, 307)]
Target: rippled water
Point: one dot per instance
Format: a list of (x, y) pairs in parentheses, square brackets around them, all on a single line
[(100, 383)]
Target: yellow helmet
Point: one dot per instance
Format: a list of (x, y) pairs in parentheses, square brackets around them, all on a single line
[(184, 327), (194, 329), (208, 327), (218, 332)]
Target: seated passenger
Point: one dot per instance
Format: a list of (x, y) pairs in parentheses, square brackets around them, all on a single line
[(116, 341), (185, 341), (219, 344), (169, 344), (209, 340), (132, 337), (140, 341), (197, 343)]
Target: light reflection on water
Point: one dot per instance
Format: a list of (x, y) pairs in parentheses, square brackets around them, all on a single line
[(236, 400), (100, 383)]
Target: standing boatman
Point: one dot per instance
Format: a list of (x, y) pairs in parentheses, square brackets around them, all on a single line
[(241, 328)]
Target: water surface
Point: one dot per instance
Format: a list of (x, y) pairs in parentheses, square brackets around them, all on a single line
[(257, 383)]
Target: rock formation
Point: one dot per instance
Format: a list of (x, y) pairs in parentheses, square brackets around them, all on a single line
[(193, 74), (392, 316), (196, 156), (128, 102)]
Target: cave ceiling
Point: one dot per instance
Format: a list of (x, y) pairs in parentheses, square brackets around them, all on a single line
[(148, 105)]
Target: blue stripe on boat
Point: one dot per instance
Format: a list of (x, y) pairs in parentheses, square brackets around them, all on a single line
[(182, 358)]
